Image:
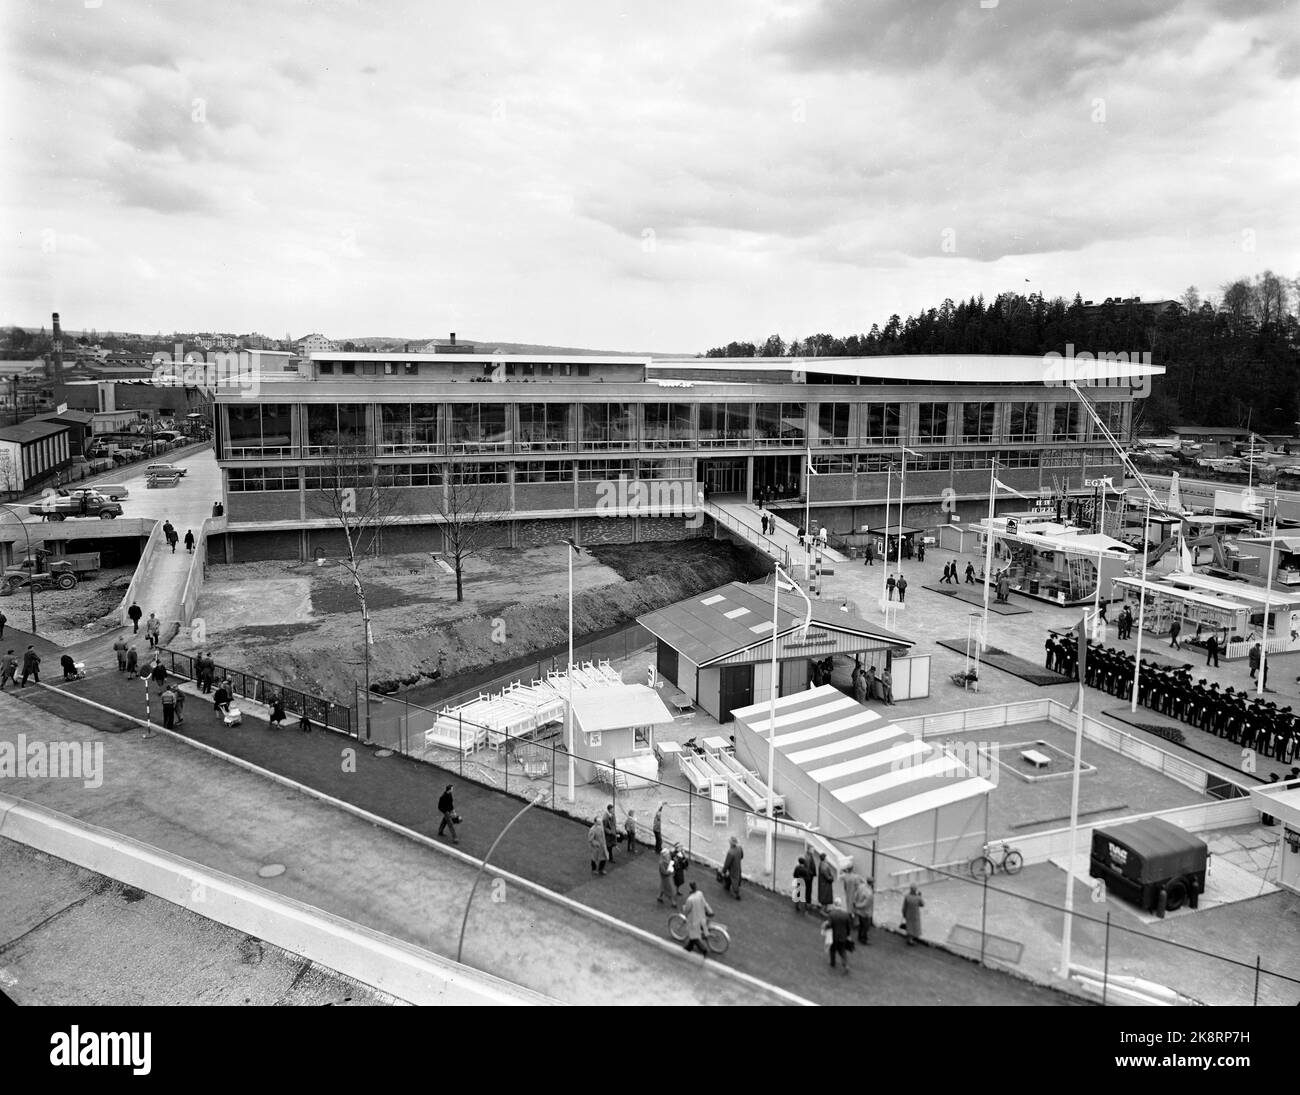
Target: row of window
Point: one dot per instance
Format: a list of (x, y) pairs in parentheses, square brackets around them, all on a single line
[(486, 369), (478, 427), (498, 473)]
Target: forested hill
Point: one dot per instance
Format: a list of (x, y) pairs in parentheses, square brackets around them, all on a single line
[(1227, 360)]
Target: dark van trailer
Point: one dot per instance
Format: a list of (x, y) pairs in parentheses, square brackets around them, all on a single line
[(1151, 863)]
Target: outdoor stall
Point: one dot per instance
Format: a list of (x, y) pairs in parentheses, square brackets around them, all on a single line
[(1196, 612), (1057, 563)]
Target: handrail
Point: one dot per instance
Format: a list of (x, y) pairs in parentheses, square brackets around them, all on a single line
[(129, 598), (764, 543)]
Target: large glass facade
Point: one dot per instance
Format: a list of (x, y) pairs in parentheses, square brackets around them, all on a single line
[(259, 430), (545, 427), (880, 422), (781, 423), (724, 424), (1022, 422), (667, 425), (409, 428), (931, 423), (607, 426), (977, 423), (479, 427), (331, 426), (1067, 420), (832, 424)]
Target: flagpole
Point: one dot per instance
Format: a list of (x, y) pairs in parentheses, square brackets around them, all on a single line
[(1081, 661), (1142, 607), (769, 853), (1268, 599), (884, 555), (902, 494), (807, 496), (988, 556)]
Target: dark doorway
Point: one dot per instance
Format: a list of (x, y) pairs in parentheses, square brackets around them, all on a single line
[(725, 476), (777, 477), (666, 663), (735, 689)]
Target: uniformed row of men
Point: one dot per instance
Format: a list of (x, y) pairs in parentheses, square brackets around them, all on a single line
[(1250, 722)]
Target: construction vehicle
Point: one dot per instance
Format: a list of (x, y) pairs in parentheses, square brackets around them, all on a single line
[(54, 507), (83, 564), (40, 574)]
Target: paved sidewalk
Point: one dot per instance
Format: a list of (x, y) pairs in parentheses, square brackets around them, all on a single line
[(770, 941)]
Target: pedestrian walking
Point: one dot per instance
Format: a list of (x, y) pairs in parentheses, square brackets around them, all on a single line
[(680, 862), (629, 831), (610, 824), (169, 708), (920, 551), (221, 701), (1212, 650), (1253, 658), (657, 827), (447, 808), (970, 573), (838, 924), (864, 909), (8, 669), (599, 849), (1174, 629), (913, 903), (157, 672), (31, 666), (697, 912), (151, 630), (730, 876), (823, 536), (799, 888), (277, 713), (180, 705), (887, 687), (119, 648), (803, 532), (890, 584), (3, 620), (667, 891), (133, 614), (169, 534), (304, 723), (902, 589), (189, 541), (870, 554), (132, 660)]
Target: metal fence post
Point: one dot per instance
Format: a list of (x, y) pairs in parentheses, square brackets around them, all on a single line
[(460, 741), (690, 821), (613, 783), (1105, 966), (984, 918), (1256, 1002)]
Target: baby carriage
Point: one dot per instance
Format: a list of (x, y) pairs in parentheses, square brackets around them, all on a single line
[(233, 716)]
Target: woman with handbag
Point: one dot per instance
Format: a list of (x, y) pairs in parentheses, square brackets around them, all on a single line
[(680, 862)]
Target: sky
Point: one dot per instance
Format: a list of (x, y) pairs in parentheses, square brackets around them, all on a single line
[(656, 176)]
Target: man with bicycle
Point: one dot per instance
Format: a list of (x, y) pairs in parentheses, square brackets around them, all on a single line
[(697, 912)]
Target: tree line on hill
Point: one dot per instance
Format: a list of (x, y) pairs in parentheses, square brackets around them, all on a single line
[(1231, 361)]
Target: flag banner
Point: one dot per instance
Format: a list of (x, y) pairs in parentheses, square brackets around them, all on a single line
[(1010, 490)]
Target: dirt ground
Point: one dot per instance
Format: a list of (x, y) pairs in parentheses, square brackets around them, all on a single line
[(63, 615), (300, 624)]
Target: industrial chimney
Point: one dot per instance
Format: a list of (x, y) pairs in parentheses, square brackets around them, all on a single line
[(453, 338), (57, 359)]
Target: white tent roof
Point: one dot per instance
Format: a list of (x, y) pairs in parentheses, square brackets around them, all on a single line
[(1182, 594), (618, 706), (879, 771)]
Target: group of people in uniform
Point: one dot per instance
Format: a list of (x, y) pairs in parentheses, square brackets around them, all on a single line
[(1253, 723)]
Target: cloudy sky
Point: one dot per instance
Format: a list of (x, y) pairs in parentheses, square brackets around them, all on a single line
[(653, 176)]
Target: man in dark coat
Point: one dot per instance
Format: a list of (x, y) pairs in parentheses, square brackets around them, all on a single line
[(134, 613), (731, 868), (447, 808), (1212, 650), (826, 876), (902, 589), (610, 825), (840, 923), (31, 666)]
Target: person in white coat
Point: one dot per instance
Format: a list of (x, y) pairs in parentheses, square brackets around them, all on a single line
[(697, 912)]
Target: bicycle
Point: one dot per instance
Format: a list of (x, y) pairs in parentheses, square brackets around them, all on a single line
[(716, 936), (998, 855)]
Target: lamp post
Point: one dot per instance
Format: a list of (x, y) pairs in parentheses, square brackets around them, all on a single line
[(988, 553), (1268, 600), (769, 854), (542, 796), (1142, 605), (31, 586), (904, 453), (884, 555), (568, 714)]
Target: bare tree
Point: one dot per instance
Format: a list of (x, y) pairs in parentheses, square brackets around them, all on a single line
[(355, 493), (469, 513)]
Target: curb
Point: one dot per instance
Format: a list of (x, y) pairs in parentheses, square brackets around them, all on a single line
[(782, 995)]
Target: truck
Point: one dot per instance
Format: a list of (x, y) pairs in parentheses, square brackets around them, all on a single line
[(42, 573), (1152, 863), (57, 508), (83, 564)]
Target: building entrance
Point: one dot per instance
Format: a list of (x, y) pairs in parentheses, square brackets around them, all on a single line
[(777, 477), (725, 476)]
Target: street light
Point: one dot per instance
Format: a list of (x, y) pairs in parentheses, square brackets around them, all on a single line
[(542, 796), (904, 453), (568, 714), (31, 585), (790, 586)]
